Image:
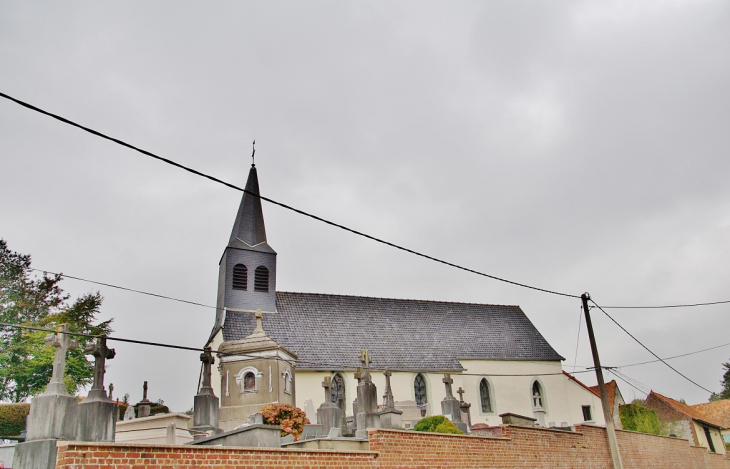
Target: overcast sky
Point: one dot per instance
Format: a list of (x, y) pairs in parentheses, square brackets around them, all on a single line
[(574, 146)]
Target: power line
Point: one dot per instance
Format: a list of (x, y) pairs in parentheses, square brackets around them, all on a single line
[(648, 350), (288, 207), (328, 366), (670, 306), (125, 288), (676, 356)]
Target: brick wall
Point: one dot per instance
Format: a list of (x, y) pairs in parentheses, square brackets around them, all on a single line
[(518, 447)]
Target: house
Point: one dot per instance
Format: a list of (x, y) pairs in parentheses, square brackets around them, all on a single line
[(684, 421), (281, 346), (719, 412), (615, 399)]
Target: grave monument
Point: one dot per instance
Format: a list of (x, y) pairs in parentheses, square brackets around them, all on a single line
[(205, 404), (450, 406), (97, 413)]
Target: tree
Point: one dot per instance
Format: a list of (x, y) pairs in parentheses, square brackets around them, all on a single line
[(725, 393), (38, 301)]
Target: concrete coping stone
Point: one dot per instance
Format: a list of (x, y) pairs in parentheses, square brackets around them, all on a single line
[(247, 428), (446, 435), (195, 448)]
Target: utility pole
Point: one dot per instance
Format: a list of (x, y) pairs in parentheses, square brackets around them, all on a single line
[(610, 430)]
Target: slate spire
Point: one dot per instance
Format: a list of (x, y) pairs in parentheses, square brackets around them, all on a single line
[(249, 226)]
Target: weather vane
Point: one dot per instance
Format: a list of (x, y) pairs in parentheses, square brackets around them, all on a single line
[(253, 161)]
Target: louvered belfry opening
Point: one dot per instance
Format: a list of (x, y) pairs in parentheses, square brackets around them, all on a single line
[(261, 279), (240, 277)]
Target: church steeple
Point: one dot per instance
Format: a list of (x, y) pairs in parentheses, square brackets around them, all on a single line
[(249, 227), (247, 269)]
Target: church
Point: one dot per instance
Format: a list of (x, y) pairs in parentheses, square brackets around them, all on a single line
[(279, 347)]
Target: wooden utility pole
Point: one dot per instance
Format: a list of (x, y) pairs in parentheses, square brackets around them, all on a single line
[(610, 429)]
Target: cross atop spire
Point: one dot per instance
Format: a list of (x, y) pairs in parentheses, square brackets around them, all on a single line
[(253, 161)]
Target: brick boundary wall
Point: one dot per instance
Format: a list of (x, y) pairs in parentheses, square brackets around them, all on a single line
[(517, 448)]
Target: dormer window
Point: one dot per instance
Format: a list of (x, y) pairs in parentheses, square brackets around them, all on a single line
[(261, 279), (240, 277)]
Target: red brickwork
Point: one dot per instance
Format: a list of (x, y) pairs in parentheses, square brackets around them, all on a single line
[(519, 447)]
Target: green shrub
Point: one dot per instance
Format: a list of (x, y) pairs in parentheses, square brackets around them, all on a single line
[(437, 424), (12, 418), (638, 418)]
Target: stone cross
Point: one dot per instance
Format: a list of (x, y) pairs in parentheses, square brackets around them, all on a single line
[(448, 382), (259, 322), (62, 343), (388, 401), (111, 390), (144, 392), (208, 359), (327, 385), (101, 354), (460, 392), (358, 374), (365, 359)]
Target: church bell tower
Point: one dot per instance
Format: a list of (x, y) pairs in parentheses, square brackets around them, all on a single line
[(247, 269)]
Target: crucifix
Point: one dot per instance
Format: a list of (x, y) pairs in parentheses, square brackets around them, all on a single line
[(327, 385), (101, 354), (448, 382), (460, 392), (61, 342), (208, 359)]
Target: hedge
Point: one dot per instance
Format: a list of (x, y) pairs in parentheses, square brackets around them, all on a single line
[(437, 424), (12, 418)]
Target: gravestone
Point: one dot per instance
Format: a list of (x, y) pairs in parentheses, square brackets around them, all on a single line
[(450, 406), (390, 417), (367, 400), (205, 403), (53, 415), (97, 413), (129, 413), (144, 406), (328, 414), (344, 428), (465, 408)]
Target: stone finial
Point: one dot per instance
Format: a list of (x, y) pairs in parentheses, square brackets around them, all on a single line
[(62, 343), (101, 354), (448, 382)]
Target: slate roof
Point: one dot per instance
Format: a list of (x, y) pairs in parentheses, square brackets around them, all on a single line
[(327, 332)]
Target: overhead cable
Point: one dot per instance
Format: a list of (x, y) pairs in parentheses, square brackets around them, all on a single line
[(288, 207), (648, 350)]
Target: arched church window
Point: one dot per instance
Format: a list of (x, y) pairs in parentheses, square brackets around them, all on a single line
[(419, 386), (485, 396), (240, 277), (537, 395), (249, 382), (261, 279), (338, 388), (287, 381)]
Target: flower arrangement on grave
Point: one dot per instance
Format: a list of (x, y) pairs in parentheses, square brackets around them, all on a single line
[(292, 419), (437, 424)]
